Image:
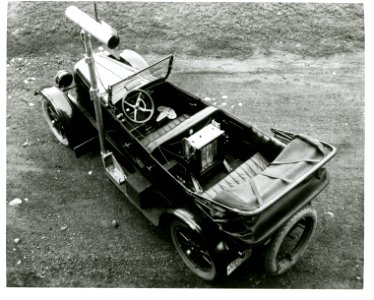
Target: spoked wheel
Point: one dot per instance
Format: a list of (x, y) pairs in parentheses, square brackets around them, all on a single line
[(291, 241), (194, 252), (138, 106), (55, 122)]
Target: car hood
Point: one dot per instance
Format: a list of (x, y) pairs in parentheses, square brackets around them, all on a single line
[(108, 71)]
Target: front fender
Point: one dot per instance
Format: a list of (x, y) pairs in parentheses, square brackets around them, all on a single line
[(62, 106), (59, 100), (134, 59)]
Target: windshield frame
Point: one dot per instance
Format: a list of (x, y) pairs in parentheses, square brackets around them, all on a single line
[(121, 88)]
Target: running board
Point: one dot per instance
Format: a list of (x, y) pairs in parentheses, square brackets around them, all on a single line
[(112, 168), (131, 188)]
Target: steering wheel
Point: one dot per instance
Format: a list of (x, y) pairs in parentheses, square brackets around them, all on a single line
[(138, 106)]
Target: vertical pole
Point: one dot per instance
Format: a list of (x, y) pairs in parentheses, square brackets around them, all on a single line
[(94, 90), (96, 15)]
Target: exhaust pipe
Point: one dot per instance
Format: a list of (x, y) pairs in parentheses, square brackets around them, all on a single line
[(100, 31)]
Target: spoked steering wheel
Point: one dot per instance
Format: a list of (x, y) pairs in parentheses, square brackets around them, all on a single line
[(138, 106)]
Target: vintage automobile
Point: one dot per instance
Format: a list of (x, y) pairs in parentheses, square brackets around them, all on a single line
[(221, 185)]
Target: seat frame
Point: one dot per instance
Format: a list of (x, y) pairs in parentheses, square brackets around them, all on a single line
[(182, 127)]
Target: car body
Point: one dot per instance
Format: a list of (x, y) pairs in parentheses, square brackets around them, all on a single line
[(220, 184)]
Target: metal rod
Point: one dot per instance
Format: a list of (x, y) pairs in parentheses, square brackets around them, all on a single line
[(94, 91), (96, 15)]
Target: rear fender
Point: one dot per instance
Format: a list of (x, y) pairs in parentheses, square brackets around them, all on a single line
[(187, 217), (196, 222), (210, 233)]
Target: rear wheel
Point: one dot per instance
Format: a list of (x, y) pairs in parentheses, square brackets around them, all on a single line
[(290, 242), (55, 122), (195, 253)]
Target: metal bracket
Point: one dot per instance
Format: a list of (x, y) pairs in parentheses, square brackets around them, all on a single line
[(112, 168)]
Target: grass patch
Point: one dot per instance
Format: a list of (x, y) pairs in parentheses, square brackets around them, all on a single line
[(196, 29)]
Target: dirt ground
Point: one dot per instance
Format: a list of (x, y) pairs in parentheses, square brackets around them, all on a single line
[(62, 234)]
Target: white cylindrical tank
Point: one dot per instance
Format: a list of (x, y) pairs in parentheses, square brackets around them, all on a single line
[(102, 32)]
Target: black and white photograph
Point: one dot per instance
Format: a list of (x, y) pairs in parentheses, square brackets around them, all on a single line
[(215, 145)]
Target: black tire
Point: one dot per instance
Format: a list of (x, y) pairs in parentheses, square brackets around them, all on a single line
[(58, 125), (290, 242), (195, 253)]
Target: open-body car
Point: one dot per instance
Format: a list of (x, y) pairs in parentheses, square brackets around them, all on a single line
[(221, 185)]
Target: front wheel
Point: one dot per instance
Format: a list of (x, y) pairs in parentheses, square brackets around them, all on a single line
[(290, 242), (55, 122), (194, 251)]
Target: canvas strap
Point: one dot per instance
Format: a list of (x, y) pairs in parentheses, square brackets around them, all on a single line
[(256, 191)]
